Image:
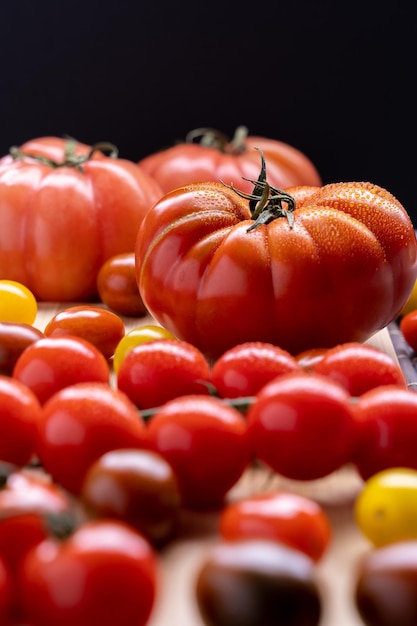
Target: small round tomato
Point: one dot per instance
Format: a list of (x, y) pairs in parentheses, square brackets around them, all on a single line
[(302, 426), (386, 507), (14, 338), (360, 367), (52, 363), (245, 368), (309, 358), (293, 519), (104, 573), (385, 589), (255, 583), (408, 327), (386, 420), (117, 286), (157, 371), (20, 413), (30, 503), (97, 325), (79, 424), (136, 486), (135, 337), (17, 303), (206, 443)]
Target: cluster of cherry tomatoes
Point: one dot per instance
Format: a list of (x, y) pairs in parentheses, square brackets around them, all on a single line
[(132, 427)]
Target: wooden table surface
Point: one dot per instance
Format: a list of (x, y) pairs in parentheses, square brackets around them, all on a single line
[(175, 605)]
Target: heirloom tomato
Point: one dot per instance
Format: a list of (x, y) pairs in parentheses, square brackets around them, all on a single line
[(208, 155), (303, 268), (65, 208)]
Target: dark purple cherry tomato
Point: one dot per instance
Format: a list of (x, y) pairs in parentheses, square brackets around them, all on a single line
[(386, 586), (136, 486), (257, 583), (14, 338)]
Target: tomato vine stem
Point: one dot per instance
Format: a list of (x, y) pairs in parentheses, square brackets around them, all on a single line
[(70, 158), (265, 202), (241, 404), (212, 138)]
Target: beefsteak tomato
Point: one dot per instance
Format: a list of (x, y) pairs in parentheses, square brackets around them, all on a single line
[(207, 155), (65, 208), (302, 268)]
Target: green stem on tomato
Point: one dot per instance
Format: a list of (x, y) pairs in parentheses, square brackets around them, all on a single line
[(70, 159), (241, 404), (212, 138)]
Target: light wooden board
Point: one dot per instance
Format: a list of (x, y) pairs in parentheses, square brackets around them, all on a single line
[(180, 561)]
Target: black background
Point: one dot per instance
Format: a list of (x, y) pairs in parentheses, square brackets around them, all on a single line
[(336, 80)]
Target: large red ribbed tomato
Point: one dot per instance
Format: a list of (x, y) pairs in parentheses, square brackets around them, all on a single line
[(319, 267), (207, 155), (64, 211)]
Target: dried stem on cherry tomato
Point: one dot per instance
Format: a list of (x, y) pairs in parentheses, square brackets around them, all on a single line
[(265, 202), (71, 159), (241, 404), (212, 138)]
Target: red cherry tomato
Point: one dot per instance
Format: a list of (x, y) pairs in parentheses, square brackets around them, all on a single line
[(105, 573), (255, 583), (54, 363), (79, 424), (360, 367), (14, 338), (308, 358), (387, 430), (290, 518), (20, 413), (100, 327), (29, 503), (408, 327), (302, 426), (135, 337), (244, 369), (136, 486), (206, 443), (117, 287), (157, 371)]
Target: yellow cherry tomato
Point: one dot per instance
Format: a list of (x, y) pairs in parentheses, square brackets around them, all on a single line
[(135, 337), (411, 304), (386, 508), (17, 303)]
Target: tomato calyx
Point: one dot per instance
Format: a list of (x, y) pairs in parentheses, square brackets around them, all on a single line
[(241, 404), (71, 159), (212, 138), (265, 202)]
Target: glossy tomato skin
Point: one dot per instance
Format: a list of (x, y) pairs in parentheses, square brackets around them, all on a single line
[(408, 327), (99, 205), (360, 367), (386, 420), (253, 582), (199, 269), (117, 287), (386, 507), (103, 328), (283, 516), (187, 163), (53, 363), (105, 573), (79, 424), (244, 369), (17, 303), (385, 589), (206, 443), (14, 338), (302, 426), (20, 413), (135, 337), (157, 371), (135, 486)]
